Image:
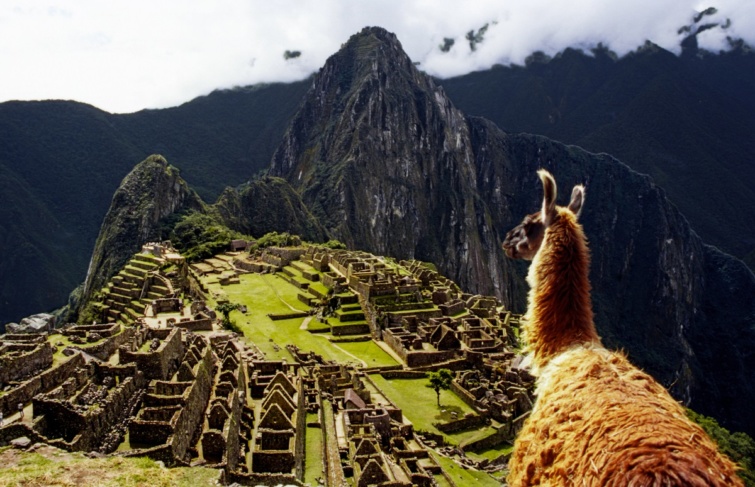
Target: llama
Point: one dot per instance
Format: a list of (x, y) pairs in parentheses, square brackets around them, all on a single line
[(597, 420)]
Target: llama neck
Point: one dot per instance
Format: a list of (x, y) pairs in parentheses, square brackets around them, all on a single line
[(560, 310)]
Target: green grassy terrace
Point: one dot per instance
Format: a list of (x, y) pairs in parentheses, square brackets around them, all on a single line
[(265, 294)]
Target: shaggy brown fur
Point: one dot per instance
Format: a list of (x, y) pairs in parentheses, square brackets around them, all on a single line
[(598, 420)]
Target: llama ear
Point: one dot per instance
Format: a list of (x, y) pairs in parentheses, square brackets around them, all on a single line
[(549, 197), (577, 199)]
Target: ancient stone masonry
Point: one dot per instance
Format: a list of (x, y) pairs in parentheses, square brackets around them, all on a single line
[(156, 352), (22, 357), (140, 284), (161, 381), (229, 418), (98, 340), (172, 411), (275, 439), (373, 442), (79, 414), (25, 369), (502, 393)]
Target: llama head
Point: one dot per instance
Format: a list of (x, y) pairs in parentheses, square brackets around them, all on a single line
[(524, 240)]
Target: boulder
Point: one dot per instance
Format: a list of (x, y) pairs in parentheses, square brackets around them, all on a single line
[(21, 442), (39, 323)]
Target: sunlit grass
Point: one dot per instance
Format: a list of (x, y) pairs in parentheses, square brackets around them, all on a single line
[(265, 294), (313, 462), (57, 468), (420, 405), (492, 453), (463, 476)]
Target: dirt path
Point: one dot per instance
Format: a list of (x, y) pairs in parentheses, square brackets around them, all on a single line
[(305, 323)]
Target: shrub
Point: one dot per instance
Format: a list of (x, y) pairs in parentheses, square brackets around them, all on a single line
[(199, 236), (737, 446)]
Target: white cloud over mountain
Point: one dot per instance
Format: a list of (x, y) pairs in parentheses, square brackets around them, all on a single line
[(126, 55)]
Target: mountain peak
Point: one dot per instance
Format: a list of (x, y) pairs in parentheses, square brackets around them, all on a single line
[(362, 89), (152, 191)]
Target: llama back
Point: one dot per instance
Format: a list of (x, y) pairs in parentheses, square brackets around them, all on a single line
[(602, 421)]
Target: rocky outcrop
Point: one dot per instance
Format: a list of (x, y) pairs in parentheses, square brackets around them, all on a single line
[(38, 323), (388, 164), (152, 191)]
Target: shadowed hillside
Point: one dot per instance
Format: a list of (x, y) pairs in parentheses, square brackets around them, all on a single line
[(61, 162), (688, 121)]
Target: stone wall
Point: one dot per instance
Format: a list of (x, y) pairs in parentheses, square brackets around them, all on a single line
[(301, 428), (192, 413), (108, 346), (161, 363), (83, 427), (21, 360), (43, 382), (423, 358), (271, 479), (469, 421), (176, 409), (465, 395), (197, 324), (10, 432), (103, 330), (355, 329)]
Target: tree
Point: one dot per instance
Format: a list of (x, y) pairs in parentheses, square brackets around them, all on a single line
[(440, 380), (225, 309)]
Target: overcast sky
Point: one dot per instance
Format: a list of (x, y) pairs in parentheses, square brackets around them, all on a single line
[(123, 56)]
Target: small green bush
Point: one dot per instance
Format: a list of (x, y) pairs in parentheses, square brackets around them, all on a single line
[(275, 239), (738, 446)]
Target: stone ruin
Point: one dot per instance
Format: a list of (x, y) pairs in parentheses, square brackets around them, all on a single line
[(187, 395)]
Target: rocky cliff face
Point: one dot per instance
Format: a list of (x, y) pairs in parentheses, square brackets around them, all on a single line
[(388, 164), (152, 191), (385, 161)]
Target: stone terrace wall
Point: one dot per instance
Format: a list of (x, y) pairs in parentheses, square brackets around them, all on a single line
[(20, 360), (468, 422), (43, 382)]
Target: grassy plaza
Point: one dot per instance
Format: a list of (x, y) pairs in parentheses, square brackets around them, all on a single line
[(265, 294)]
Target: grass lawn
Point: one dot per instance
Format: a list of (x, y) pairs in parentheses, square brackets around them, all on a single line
[(267, 293), (492, 453), (320, 287), (463, 476), (313, 462), (58, 357), (50, 466), (369, 351), (420, 406)]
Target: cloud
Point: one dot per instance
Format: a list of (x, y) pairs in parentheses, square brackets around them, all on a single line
[(123, 56)]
